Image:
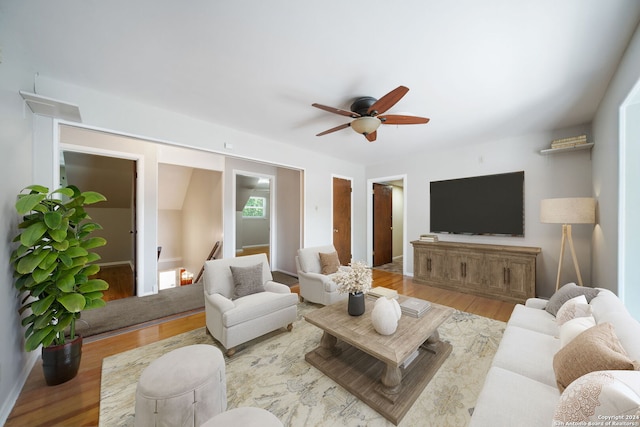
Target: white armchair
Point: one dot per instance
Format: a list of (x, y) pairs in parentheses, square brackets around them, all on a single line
[(236, 321), (315, 286)]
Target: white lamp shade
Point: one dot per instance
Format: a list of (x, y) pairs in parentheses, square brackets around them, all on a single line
[(573, 210), (365, 125)]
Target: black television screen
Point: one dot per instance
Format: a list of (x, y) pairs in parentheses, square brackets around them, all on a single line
[(490, 204)]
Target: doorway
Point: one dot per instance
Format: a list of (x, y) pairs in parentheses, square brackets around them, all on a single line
[(115, 178), (254, 213), (342, 194), (386, 219)]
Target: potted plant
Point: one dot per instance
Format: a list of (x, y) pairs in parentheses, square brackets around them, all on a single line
[(355, 281), (52, 266)]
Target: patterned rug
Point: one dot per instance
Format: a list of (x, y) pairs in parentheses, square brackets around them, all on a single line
[(270, 372)]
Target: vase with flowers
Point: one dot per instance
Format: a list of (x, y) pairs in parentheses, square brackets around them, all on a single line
[(355, 281)]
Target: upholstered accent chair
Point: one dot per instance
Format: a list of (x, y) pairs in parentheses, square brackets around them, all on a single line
[(314, 285), (242, 302)]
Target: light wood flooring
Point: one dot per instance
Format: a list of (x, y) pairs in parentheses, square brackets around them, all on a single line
[(120, 280), (77, 402)]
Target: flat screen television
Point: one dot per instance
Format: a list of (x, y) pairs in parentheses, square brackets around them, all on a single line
[(489, 205)]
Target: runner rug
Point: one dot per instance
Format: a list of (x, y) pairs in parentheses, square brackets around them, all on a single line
[(270, 372)]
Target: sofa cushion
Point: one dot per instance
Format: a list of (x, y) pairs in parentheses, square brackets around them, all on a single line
[(329, 262), (596, 349), (565, 293), (575, 307), (574, 327), (528, 353), (509, 399), (627, 330), (247, 280), (534, 319), (600, 397), (257, 305)]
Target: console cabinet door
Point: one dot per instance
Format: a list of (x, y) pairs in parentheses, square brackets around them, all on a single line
[(430, 265), (521, 276), (497, 281)]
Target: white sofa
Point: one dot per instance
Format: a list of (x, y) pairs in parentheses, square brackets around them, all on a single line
[(521, 389), (314, 286), (236, 321)]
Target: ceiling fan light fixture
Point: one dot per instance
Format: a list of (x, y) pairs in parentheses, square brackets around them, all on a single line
[(365, 125)]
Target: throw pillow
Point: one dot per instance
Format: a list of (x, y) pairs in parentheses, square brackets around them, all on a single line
[(565, 293), (575, 307), (574, 327), (247, 280), (597, 397), (329, 262), (596, 349)]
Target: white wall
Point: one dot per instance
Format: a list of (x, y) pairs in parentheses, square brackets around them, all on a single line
[(560, 175), (606, 131), (16, 172), (128, 116)]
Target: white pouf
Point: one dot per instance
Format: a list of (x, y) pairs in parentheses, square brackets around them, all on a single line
[(184, 387), (244, 417)]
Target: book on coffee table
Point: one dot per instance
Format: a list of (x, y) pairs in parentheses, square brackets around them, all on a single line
[(414, 307), (380, 291)]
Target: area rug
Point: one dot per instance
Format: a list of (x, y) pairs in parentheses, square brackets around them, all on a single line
[(271, 373)]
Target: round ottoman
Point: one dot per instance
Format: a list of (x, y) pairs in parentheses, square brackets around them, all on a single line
[(184, 387), (244, 417)]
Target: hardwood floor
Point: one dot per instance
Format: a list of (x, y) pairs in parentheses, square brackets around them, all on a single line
[(77, 402), (120, 280)]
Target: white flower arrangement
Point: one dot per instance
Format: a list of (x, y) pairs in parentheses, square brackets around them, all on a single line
[(358, 279)]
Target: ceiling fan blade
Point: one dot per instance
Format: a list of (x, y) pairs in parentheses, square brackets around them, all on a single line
[(344, 126), (371, 136), (336, 110), (388, 101), (398, 119)]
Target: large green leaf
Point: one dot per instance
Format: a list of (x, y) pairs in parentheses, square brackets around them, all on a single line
[(73, 302), (60, 246), (37, 338), (33, 233), (58, 235), (40, 306), (27, 202), (64, 190), (48, 260), (28, 263), (64, 321), (93, 285), (92, 269), (91, 197), (40, 275), (66, 283), (44, 320), (53, 219), (76, 251), (93, 242), (94, 303), (93, 257), (24, 282)]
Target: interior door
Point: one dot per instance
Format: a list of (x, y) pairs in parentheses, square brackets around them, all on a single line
[(342, 219), (382, 224)]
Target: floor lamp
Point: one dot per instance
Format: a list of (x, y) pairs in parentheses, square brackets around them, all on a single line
[(567, 211)]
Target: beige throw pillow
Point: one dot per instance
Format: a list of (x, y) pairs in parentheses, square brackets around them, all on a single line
[(596, 349), (329, 262)]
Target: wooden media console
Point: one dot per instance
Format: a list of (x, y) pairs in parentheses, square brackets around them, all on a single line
[(496, 271)]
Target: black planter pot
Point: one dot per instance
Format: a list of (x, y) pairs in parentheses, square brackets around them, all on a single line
[(356, 304), (60, 363)]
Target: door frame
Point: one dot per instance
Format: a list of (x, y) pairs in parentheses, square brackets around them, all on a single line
[(139, 207), (273, 256), (350, 179), (382, 180)]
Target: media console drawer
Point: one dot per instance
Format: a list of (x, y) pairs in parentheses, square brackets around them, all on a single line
[(496, 271)]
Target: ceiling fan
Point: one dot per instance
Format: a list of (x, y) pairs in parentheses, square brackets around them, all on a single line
[(368, 114)]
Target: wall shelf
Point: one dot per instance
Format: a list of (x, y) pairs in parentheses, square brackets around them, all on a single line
[(562, 150)]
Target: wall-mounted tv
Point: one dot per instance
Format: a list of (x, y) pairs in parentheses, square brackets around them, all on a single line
[(490, 204)]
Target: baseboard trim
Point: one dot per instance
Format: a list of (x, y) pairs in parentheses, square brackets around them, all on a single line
[(12, 398)]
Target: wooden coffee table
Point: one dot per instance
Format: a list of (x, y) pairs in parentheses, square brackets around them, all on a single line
[(370, 365)]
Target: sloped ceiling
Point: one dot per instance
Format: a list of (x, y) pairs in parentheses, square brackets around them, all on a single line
[(480, 70)]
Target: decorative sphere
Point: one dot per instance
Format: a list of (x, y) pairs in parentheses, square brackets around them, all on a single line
[(385, 315)]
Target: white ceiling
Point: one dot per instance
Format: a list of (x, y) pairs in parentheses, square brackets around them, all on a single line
[(481, 70)]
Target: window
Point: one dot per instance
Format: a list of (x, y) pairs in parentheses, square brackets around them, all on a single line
[(255, 207)]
